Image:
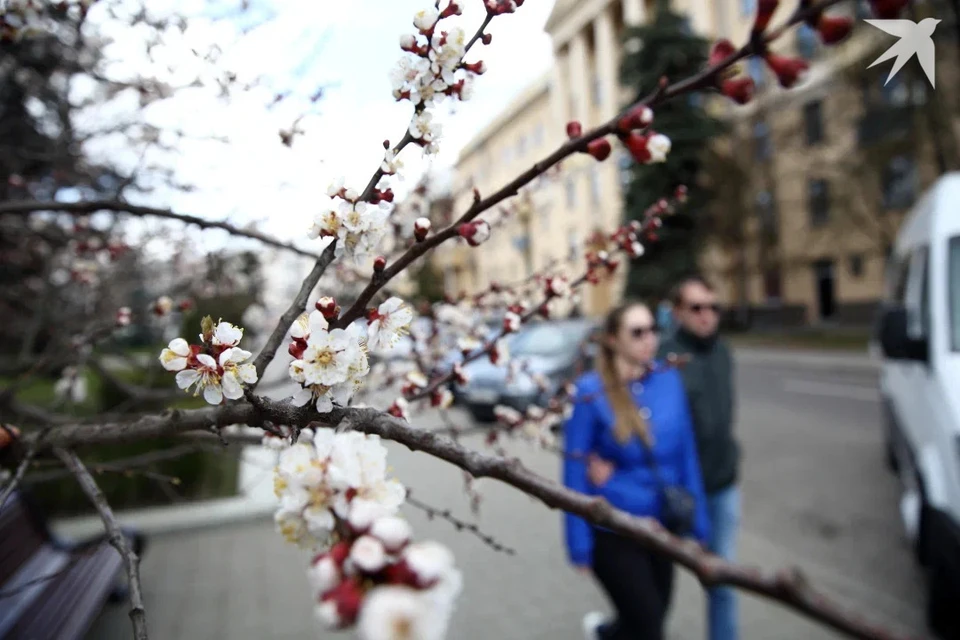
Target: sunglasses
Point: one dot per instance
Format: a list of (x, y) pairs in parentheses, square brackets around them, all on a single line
[(638, 333), (700, 308)]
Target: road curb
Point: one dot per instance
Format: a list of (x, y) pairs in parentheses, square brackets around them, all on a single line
[(162, 520), (851, 362)]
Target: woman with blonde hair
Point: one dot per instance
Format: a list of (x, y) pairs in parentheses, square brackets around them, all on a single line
[(630, 440)]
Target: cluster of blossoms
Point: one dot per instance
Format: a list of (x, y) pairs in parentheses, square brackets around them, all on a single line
[(433, 68), (335, 498), (536, 424), (330, 364), (72, 386), (358, 227), (164, 305), (86, 257), (217, 366)]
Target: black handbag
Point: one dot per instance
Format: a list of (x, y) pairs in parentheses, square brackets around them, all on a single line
[(679, 506)]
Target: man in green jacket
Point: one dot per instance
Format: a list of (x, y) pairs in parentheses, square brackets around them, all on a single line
[(708, 378)]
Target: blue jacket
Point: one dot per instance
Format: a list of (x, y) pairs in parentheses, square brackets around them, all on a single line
[(633, 487)]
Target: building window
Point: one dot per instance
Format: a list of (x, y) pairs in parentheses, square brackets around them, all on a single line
[(766, 215), (856, 265), (813, 121), (806, 42), (521, 146), (818, 198), (757, 71), (571, 193), (596, 91), (761, 140), (574, 245), (899, 182), (748, 7), (772, 285), (594, 185), (625, 169)]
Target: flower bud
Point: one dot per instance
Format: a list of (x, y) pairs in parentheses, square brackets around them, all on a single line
[(765, 9), (574, 129), (421, 227), (600, 149), (162, 306), (740, 90), (511, 322), (788, 70), (637, 118), (680, 193), (408, 42), (475, 233), (123, 316), (297, 348), (399, 408), (478, 67), (340, 606), (833, 29), (453, 9), (379, 264), (486, 38), (393, 532), (327, 306), (720, 51)]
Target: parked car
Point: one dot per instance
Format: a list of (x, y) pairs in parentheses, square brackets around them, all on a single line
[(919, 334), (551, 349)]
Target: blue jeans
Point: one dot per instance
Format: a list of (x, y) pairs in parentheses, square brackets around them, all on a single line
[(724, 508)]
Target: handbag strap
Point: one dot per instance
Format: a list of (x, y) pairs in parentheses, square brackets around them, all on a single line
[(652, 460)]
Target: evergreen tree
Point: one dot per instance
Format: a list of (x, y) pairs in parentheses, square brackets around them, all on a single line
[(667, 48)]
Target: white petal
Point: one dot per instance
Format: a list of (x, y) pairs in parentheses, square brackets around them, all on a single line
[(180, 347), (187, 378), (207, 361), (324, 404), (317, 323), (212, 394), (301, 397), (171, 363), (231, 386), (248, 373)]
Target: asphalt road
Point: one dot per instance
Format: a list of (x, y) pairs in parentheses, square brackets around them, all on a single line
[(816, 495)]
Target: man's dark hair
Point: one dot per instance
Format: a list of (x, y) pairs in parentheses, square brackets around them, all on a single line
[(676, 294)]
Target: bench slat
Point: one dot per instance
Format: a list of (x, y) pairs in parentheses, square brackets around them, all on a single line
[(46, 561)]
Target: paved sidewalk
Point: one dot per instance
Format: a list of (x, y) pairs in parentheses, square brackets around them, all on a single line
[(242, 581), (809, 359)]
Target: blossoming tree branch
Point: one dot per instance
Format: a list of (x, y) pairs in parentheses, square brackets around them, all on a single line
[(369, 570)]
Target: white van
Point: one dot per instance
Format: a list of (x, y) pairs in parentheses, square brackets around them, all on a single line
[(919, 333)]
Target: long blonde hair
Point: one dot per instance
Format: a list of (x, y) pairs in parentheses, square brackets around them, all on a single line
[(627, 418)]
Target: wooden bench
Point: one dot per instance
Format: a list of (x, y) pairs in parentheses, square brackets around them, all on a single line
[(51, 589)]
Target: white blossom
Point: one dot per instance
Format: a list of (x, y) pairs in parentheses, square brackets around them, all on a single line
[(323, 574), (227, 335), (429, 560), (399, 613), (71, 386), (391, 163), (393, 532), (390, 321), (425, 19), (367, 554)]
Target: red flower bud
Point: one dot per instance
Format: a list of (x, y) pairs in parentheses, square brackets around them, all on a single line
[(740, 90), (888, 9), (475, 232), (486, 38), (379, 264), (600, 149), (720, 51), (574, 129), (453, 9), (400, 573), (681, 193), (347, 597), (765, 9), (788, 70), (386, 144), (637, 118), (421, 228), (477, 67), (185, 304), (297, 347), (636, 144), (833, 29), (544, 311), (327, 306)]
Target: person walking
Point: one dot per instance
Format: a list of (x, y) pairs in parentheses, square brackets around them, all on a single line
[(630, 440), (708, 379)]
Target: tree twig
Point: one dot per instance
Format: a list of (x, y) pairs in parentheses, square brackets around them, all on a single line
[(459, 525), (25, 207), (138, 614)]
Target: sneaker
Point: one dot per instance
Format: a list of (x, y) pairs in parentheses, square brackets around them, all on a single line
[(591, 625)]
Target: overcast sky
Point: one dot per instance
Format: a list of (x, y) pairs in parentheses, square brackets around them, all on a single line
[(350, 47)]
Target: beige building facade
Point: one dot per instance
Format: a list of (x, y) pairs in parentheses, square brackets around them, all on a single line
[(794, 251)]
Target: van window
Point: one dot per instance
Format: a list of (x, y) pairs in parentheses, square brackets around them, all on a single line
[(953, 292), (918, 295)]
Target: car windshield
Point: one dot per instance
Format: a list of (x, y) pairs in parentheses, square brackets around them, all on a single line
[(548, 339), (953, 286)]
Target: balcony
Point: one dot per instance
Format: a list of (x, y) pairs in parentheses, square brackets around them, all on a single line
[(883, 124)]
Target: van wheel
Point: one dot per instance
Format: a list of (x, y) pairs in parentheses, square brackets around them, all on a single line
[(943, 617)]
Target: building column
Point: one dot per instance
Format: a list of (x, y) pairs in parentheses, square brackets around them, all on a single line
[(606, 64), (634, 12), (559, 96), (578, 94)]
